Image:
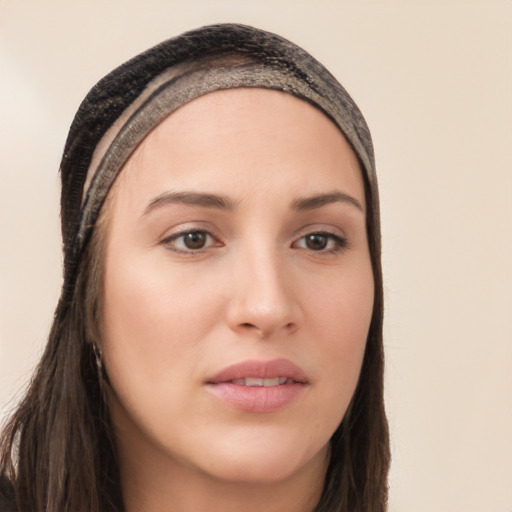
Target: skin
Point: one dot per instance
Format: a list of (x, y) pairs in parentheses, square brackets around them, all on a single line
[(260, 288)]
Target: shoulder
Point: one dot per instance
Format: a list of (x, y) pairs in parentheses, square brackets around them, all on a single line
[(7, 505), (6, 496)]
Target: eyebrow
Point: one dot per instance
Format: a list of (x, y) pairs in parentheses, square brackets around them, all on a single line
[(317, 201), (225, 203), (192, 198)]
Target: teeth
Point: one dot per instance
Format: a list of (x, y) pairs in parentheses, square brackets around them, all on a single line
[(250, 381), (255, 381)]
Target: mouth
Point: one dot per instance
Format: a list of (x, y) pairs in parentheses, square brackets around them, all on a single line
[(259, 386), (276, 372), (266, 383)]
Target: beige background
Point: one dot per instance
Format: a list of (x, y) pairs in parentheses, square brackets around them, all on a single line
[(434, 80)]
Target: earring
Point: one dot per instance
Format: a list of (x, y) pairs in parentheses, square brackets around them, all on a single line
[(99, 362)]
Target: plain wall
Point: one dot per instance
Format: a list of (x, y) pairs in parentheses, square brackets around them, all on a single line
[(434, 80)]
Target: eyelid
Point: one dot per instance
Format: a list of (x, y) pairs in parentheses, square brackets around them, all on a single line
[(337, 240), (341, 241), (167, 240)]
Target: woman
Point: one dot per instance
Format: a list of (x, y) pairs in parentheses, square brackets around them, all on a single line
[(218, 341)]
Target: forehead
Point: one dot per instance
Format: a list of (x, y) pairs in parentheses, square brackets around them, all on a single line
[(244, 137)]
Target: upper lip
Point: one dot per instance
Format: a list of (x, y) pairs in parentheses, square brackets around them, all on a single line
[(260, 369)]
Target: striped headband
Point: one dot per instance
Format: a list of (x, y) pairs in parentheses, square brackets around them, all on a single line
[(120, 111)]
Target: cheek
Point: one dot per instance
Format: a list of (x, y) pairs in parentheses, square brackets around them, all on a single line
[(146, 299), (341, 317), (341, 308), (151, 326)]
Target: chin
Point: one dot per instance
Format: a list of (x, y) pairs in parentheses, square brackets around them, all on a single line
[(265, 462)]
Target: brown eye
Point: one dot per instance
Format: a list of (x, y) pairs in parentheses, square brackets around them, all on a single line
[(316, 241), (189, 241), (322, 242), (195, 240)]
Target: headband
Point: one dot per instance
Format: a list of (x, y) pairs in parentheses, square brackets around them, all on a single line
[(121, 110)]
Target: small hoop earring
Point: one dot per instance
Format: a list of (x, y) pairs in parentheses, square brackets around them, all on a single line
[(98, 355)]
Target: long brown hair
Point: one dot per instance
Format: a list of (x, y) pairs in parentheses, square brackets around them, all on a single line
[(57, 452)]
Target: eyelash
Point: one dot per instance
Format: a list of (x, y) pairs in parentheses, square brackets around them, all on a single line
[(337, 243), (173, 238)]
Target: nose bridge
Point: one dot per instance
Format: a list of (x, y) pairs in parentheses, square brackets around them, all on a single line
[(263, 298)]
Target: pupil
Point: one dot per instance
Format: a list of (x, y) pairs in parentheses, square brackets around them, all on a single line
[(195, 240), (316, 242)]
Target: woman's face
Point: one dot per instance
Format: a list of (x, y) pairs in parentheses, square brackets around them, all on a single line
[(238, 289)]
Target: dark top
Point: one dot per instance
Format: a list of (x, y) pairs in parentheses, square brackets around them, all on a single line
[(6, 505), (6, 496)]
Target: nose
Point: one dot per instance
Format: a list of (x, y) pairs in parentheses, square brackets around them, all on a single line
[(263, 302)]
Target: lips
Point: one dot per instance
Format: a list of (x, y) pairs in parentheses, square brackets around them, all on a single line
[(259, 386)]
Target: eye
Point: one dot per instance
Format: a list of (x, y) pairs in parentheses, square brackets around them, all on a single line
[(322, 242), (189, 241)]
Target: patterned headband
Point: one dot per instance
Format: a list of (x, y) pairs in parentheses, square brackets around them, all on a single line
[(128, 103)]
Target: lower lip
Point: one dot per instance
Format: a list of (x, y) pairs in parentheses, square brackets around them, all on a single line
[(257, 398)]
